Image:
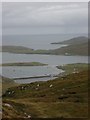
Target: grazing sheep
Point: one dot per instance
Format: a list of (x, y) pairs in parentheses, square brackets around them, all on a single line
[(63, 89), (9, 93), (36, 88), (22, 87), (29, 116), (13, 92), (25, 113), (50, 85), (38, 85)]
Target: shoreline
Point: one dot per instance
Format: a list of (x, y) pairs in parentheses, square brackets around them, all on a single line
[(32, 77), (33, 53)]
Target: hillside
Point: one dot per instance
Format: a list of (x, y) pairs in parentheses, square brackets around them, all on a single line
[(77, 49), (73, 68), (65, 96), (76, 46), (73, 41), (15, 49), (7, 83)]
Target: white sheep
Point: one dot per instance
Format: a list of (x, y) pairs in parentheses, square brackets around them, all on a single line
[(50, 85)]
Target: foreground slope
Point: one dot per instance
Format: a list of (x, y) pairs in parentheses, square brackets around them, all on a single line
[(77, 49), (65, 96), (7, 83)]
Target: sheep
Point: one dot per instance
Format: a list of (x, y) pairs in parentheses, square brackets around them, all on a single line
[(50, 85)]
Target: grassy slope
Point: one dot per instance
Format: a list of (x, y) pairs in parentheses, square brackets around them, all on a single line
[(7, 83), (24, 64), (72, 68), (76, 40), (15, 49), (76, 46), (66, 98), (79, 49)]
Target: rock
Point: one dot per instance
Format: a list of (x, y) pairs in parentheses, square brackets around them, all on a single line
[(8, 105)]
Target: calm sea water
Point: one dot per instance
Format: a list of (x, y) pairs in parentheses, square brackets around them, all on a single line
[(23, 71), (52, 60)]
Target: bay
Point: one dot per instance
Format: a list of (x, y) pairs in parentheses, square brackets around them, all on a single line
[(25, 71), (47, 59), (36, 42)]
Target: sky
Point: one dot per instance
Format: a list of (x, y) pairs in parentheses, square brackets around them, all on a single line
[(44, 17), (45, 0)]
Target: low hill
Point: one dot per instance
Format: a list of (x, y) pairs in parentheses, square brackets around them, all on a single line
[(76, 46), (77, 49), (15, 49), (76, 40), (65, 96)]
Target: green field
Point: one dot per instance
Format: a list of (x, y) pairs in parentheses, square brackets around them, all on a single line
[(73, 68), (77, 49)]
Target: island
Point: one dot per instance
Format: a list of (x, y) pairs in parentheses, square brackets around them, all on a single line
[(24, 64)]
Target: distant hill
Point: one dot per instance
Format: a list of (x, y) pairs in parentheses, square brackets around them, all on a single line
[(15, 49), (75, 49), (76, 40), (76, 46)]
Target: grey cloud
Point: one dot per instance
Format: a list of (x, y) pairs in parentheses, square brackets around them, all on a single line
[(28, 15)]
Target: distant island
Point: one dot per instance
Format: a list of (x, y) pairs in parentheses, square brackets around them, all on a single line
[(76, 46), (24, 64)]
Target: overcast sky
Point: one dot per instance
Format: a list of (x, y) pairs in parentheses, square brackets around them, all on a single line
[(44, 18)]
